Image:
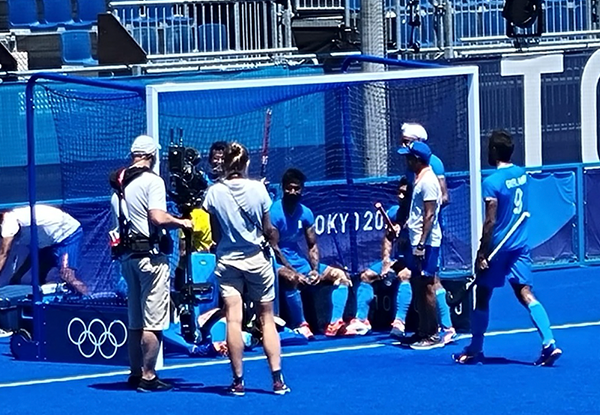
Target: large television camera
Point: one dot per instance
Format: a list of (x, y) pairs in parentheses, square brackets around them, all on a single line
[(187, 182), (187, 189)]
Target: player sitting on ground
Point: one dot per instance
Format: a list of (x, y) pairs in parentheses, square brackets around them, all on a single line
[(379, 270), (294, 222), (505, 193), (412, 132)]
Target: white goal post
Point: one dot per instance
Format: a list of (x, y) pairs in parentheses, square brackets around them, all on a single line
[(470, 73)]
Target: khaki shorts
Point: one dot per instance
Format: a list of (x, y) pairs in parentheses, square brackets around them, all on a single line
[(255, 273), (147, 292)]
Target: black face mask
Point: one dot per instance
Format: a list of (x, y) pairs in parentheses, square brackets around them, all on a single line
[(292, 199)]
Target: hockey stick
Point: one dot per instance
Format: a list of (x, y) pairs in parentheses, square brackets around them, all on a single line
[(454, 299), (265, 145)]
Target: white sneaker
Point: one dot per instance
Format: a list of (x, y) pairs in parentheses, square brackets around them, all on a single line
[(359, 327)]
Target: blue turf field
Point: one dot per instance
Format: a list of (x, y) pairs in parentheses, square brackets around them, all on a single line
[(357, 376)]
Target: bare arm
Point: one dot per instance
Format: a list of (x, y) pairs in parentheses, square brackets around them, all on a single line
[(428, 216), (313, 248), (444, 188), (163, 219), (5, 250), (491, 209), (272, 235)]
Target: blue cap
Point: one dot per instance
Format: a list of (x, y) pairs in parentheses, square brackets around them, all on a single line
[(417, 149)]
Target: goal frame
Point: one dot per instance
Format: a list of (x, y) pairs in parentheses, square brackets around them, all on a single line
[(153, 92)]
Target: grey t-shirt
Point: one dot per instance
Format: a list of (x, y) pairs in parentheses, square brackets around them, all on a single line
[(240, 235), (143, 194)]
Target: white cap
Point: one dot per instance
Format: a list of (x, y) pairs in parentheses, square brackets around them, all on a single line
[(414, 131), (144, 144)]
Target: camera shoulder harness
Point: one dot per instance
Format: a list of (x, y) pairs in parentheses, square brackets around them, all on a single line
[(119, 180)]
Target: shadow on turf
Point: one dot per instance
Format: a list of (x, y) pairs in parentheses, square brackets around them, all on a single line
[(179, 385)]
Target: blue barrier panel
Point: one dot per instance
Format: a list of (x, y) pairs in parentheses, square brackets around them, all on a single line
[(592, 213)]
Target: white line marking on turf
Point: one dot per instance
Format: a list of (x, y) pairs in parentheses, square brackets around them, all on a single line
[(292, 354), (188, 365)]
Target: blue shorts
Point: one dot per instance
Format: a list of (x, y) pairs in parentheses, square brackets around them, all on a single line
[(511, 266), (377, 266), (301, 265), (68, 251), (429, 265)]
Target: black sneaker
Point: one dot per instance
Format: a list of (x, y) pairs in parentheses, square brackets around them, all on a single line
[(280, 388), (467, 357), (550, 354), (237, 388), (154, 385), (428, 343), (133, 381)]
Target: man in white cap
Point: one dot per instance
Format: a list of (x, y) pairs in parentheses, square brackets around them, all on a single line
[(140, 209), (413, 132)]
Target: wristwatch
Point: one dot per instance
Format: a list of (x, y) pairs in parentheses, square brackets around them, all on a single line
[(421, 247)]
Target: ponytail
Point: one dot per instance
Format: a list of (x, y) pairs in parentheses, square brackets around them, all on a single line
[(235, 159)]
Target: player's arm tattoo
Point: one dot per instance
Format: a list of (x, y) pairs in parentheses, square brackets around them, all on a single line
[(313, 248), (444, 188), (491, 208), (428, 216), (4, 250)]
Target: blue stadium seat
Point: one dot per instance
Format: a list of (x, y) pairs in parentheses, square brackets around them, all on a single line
[(58, 12), (212, 37), (88, 11), (22, 14), (76, 48)]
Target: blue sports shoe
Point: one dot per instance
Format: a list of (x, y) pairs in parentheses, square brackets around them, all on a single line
[(550, 354), (466, 357)]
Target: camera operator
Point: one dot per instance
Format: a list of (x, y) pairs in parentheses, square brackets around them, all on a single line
[(139, 205), (240, 224)]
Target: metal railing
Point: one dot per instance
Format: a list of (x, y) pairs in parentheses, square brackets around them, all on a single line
[(206, 28)]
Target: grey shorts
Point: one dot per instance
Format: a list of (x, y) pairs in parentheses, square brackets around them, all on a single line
[(255, 273), (147, 292)]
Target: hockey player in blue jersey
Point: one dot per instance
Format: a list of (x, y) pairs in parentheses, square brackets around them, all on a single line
[(294, 223), (506, 195)]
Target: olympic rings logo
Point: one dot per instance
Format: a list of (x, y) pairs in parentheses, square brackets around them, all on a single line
[(97, 341)]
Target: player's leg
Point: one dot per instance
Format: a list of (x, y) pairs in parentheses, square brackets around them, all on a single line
[(443, 311), (364, 296), (339, 298), (403, 299), (293, 301), (135, 322), (521, 281), (426, 300), (480, 318), (68, 253)]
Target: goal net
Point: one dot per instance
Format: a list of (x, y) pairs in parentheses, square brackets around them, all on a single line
[(342, 131)]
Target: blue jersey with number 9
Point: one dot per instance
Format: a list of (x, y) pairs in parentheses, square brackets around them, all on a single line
[(508, 185)]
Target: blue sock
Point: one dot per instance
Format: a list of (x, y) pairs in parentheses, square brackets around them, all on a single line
[(542, 322), (403, 299), (443, 309), (294, 303), (339, 297), (364, 296), (479, 325)]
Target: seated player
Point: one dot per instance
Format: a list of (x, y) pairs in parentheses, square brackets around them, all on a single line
[(412, 132), (395, 264), (294, 223), (60, 239), (505, 193)]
